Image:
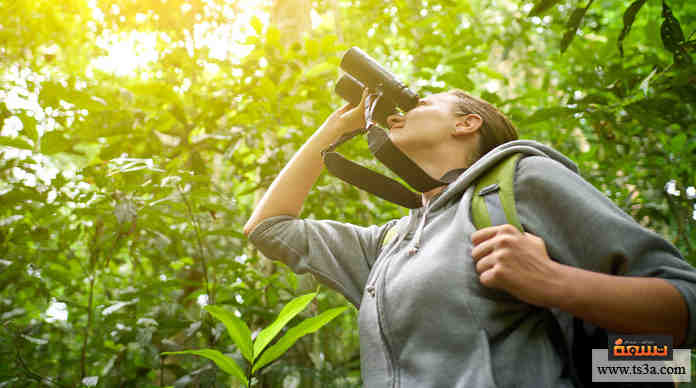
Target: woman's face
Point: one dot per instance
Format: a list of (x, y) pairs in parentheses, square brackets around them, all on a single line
[(426, 125)]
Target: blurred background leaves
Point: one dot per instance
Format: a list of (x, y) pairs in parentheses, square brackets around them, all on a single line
[(138, 135)]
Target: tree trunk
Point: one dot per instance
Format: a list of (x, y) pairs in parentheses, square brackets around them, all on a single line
[(292, 18)]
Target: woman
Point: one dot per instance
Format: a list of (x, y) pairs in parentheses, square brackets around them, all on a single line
[(444, 305)]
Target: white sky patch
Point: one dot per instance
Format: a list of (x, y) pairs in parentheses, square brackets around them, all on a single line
[(492, 86), (691, 192), (117, 306), (202, 300), (33, 271), (316, 18), (10, 220), (12, 126), (671, 188), (128, 52), (57, 311), (90, 381)]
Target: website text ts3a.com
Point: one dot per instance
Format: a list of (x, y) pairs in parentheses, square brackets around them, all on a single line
[(641, 370)]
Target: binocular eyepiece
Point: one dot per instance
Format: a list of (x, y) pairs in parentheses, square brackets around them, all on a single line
[(363, 71)]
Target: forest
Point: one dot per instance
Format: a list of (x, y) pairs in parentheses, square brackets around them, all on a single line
[(136, 137)]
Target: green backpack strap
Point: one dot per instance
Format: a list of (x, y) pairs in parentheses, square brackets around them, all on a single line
[(494, 196), (493, 202), (390, 235)]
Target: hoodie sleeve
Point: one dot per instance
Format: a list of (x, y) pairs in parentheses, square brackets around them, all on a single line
[(583, 228), (339, 254)]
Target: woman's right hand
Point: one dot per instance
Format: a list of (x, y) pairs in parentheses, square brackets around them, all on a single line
[(347, 118), (290, 188)]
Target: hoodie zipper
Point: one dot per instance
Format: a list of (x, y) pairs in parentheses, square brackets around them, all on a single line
[(372, 289)]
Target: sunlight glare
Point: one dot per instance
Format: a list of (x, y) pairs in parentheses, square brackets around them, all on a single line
[(130, 52)]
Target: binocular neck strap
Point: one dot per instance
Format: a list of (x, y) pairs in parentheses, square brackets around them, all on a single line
[(391, 156), (384, 187), (370, 181)]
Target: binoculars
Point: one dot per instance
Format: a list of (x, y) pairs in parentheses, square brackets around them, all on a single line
[(363, 71)]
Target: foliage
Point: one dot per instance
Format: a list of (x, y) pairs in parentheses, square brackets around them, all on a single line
[(258, 355), (123, 188)]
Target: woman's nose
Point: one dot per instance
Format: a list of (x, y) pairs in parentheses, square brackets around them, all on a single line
[(394, 119)]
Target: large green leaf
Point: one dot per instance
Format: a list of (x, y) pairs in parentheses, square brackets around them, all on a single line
[(54, 142), (223, 362), (16, 142), (671, 31), (286, 314), (238, 330), (308, 326), (628, 18)]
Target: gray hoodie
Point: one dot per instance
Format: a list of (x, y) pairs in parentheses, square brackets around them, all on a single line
[(425, 318)]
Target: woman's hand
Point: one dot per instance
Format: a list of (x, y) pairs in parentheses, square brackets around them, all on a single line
[(291, 187), (347, 118), (516, 262)]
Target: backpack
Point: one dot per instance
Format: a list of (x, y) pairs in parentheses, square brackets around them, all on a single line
[(493, 203)]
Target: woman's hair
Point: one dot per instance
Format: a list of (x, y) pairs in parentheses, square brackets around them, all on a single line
[(496, 128)]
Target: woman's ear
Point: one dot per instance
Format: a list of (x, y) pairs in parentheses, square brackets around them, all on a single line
[(467, 124)]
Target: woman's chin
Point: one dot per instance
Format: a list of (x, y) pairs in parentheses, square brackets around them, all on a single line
[(401, 142)]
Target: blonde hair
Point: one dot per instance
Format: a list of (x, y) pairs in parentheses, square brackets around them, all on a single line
[(496, 128)]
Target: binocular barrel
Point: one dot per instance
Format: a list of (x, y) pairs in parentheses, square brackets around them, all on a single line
[(351, 89), (364, 71)]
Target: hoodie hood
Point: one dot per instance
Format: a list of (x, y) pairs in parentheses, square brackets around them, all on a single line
[(490, 159)]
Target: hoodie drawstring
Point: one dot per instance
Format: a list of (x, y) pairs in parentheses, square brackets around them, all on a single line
[(419, 232)]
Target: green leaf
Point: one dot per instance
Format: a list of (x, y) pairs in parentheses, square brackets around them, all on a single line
[(292, 279), (54, 142), (678, 142), (237, 329), (308, 326), (573, 25), (319, 69), (542, 6), (256, 23), (16, 142), (286, 314), (670, 31), (51, 93), (29, 127), (628, 18), (223, 362), (272, 36), (492, 73), (547, 113)]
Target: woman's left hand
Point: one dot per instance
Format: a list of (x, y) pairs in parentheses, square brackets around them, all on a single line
[(516, 262)]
